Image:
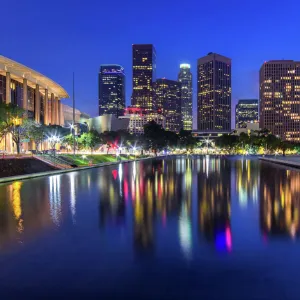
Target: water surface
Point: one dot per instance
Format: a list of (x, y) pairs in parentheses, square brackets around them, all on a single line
[(176, 228)]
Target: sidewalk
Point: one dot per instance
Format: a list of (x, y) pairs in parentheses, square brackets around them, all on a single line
[(291, 161)]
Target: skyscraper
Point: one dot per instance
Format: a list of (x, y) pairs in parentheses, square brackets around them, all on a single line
[(185, 78), (214, 93), (143, 75), (280, 98), (111, 90), (168, 101), (246, 111)]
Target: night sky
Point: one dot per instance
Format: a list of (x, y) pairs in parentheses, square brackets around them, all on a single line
[(59, 37)]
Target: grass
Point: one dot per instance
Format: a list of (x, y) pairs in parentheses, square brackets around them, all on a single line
[(94, 158)]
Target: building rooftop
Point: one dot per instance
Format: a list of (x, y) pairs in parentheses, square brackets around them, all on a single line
[(18, 72)]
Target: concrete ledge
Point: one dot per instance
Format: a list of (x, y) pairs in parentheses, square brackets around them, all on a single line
[(288, 163), (51, 173)]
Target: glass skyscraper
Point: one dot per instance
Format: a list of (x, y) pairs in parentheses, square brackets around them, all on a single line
[(214, 93), (143, 76), (185, 78), (168, 101), (280, 98), (246, 111), (111, 90)]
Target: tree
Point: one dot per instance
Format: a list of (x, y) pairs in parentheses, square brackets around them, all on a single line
[(89, 140), (36, 132), (186, 140), (154, 137), (227, 141), (68, 141), (171, 138), (110, 139), (283, 146), (13, 121)]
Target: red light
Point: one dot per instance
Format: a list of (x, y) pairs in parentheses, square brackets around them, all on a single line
[(115, 174), (228, 238)]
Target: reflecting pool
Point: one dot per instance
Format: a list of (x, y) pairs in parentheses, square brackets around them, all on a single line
[(175, 228)]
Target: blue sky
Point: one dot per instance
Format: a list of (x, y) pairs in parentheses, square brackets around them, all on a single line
[(59, 37)]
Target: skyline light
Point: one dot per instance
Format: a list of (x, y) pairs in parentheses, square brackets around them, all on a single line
[(75, 40)]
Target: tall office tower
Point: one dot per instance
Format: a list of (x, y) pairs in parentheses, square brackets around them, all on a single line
[(185, 78), (246, 111), (143, 75), (214, 93), (280, 98), (168, 102), (111, 90)]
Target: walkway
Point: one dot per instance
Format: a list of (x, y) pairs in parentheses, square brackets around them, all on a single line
[(291, 161)]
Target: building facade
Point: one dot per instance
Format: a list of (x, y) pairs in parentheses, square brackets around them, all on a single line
[(168, 102), (186, 79), (246, 111), (143, 75), (38, 95), (214, 93), (108, 123), (280, 98), (139, 117), (111, 90), (67, 117)]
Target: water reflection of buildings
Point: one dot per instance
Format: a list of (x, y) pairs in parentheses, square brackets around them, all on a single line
[(280, 202), (154, 190), (247, 180), (24, 210), (214, 201), (112, 202)]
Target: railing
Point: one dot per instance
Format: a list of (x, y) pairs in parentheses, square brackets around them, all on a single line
[(54, 161)]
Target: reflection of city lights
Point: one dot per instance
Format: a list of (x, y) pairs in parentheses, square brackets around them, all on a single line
[(54, 198), (16, 204), (120, 172), (228, 238), (293, 231), (223, 240), (207, 165), (120, 178), (115, 174), (134, 170), (185, 232), (72, 196)]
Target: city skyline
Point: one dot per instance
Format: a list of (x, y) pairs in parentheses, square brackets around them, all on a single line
[(75, 40)]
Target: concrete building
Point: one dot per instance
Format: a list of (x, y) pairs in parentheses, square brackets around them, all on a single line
[(280, 98), (186, 79), (246, 111), (138, 118), (214, 93), (250, 128), (143, 75), (38, 95), (108, 123), (67, 116)]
